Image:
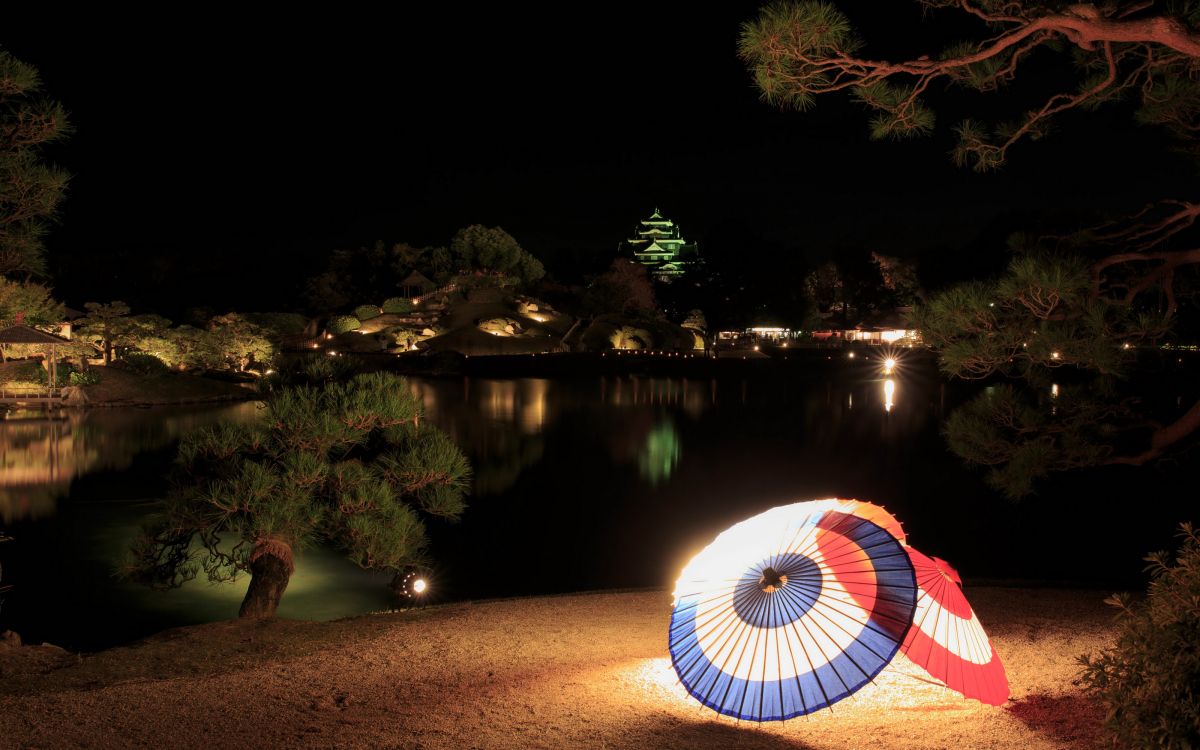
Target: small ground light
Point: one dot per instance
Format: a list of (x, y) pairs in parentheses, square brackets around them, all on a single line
[(889, 364), (412, 586), (850, 355)]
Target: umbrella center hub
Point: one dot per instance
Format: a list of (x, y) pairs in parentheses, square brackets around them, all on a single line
[(771, 580)]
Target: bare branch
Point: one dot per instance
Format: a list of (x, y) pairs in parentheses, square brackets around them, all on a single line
[(1164, 438)]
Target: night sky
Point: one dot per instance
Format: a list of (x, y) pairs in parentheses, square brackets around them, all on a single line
[(218, 158)]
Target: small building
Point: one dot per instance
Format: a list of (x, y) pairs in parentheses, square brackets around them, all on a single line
[(754, 335), (658, 244), (891, 328), (416, 284)]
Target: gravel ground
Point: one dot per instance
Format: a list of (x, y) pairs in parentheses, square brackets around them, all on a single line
[(580, 671)]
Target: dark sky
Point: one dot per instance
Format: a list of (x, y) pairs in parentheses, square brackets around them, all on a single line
[(218, 155)]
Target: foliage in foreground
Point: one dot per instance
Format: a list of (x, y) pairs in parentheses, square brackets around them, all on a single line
[(30, 189), (1081, 302), (349, 464), (1150, 680), (1041, 323)]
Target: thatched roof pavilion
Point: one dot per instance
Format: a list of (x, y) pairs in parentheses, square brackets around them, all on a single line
[(23, 334)]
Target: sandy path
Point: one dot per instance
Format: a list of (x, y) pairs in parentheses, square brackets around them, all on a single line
[(586, 671)]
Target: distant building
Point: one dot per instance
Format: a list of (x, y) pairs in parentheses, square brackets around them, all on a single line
[(658, 245)]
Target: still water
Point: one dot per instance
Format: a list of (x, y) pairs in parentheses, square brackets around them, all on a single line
[(583, 483)]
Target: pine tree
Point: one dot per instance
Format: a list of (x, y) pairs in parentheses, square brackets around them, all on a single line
[(1081, 304), (30, 190), (349, 464)]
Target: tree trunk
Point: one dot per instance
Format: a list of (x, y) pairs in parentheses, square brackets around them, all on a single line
[(107, 352), (270, 570)]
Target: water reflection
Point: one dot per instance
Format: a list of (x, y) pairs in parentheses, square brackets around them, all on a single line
[(661, 452), (40, 455), (595, 471), (693, 397), (499, 423)]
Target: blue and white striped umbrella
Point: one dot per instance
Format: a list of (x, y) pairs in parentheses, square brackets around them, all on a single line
[(790, 611)]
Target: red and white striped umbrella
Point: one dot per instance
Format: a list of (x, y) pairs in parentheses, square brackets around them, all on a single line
[(946, 638), (870, 511)]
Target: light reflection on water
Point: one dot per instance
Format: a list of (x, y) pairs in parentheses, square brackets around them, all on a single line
[(551, 458), (41, 455)]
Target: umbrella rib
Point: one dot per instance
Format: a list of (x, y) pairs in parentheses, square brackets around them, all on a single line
[(804, 622), (728, 623), (745, 625), (844, 651), (812, 669), (768, 604), (866, 624)]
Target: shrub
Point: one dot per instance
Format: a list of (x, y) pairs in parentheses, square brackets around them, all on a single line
[(279, 323), (31, 373), (144, 364), (89, 377), (343, 323), (397, 305), (366, 312), (1148, 679)]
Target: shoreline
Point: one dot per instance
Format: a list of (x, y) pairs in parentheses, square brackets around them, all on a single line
[(573, 670)]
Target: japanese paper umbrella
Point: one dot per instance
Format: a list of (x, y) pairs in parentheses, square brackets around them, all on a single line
[(870, 511), (946, 638), (790, 611)]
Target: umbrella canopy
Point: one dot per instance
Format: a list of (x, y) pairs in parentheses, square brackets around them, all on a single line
[(946, 638), (790, 611), (870, 511)]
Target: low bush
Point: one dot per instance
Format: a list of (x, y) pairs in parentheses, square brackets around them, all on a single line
[(343, 323), (89, 377), (1148, 680), (397, 305), (27, 373), (144, 364), (366, 312), (279, 323)]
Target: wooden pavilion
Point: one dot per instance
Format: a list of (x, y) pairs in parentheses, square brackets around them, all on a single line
[(49, 343)]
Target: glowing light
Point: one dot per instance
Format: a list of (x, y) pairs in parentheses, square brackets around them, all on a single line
[(332, 353), (316, 345), (756, 347), (850, 355), (1126, 345), (1054, 355), (1054, 390), (889, 392), (419, 586), (785, 345), (889, 364)]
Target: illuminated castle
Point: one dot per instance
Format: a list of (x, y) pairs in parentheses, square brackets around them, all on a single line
[(658, 245)]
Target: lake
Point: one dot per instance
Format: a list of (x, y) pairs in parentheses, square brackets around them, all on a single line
[(580, 483)]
